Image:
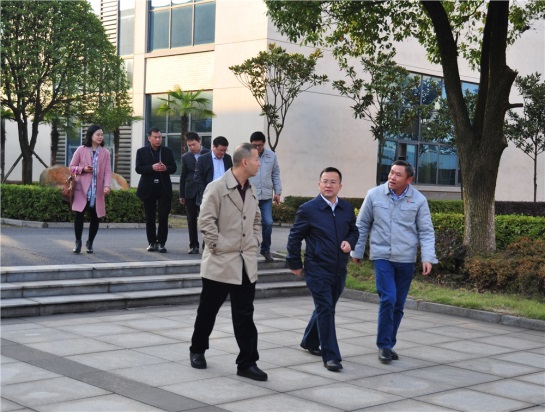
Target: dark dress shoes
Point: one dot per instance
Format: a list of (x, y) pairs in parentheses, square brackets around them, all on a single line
[(89, 246), (198, 361), (315, 352), (77, 247), (333, 365), (193, 251), (385, 355), (267, 256), (395, 356), (152, 247), (253, 372), (162, 248)]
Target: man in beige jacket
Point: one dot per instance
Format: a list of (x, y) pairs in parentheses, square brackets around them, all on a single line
[(230, 221)]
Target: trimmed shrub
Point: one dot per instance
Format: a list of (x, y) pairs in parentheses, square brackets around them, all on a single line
[(34, 203), (514, 270)]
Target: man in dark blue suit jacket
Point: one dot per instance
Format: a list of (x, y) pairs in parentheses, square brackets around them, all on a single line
[(328, 226), (189, 188), (212, 165), (155, 163)]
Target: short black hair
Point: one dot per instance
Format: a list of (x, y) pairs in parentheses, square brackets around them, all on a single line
[(257, 136), (332, 170), (409, 169), (193, 136), (88, 141), (153, 129), (220, 141)]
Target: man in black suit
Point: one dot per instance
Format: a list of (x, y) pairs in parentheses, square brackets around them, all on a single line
[(212, 165), (189, 188), (155, 163)]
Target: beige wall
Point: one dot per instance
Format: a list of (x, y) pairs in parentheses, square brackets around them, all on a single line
[(320, 129)]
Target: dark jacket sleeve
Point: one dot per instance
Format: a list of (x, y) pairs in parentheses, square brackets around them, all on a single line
[(183, 176), (298, 233)]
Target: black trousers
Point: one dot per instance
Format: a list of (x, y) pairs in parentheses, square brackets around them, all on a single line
[(192, 216), (157, 202), (93, 224), (242, 312)]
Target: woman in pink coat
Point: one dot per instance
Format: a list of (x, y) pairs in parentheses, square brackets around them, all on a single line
[(91, 164)]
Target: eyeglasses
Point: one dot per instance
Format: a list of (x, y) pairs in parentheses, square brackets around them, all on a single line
[(258, 146), (329, 182)]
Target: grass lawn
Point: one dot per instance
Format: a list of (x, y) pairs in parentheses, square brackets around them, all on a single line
[(362, 278)]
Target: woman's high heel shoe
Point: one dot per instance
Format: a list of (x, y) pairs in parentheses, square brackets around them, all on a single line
[(77, 248), (89, 246)]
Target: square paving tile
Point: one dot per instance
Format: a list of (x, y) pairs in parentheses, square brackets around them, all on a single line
[(97, 329), (18, 372), (345, 396), (495, 367), (74, 346), (105, 403), (163, 374), (280, 402), (467, 400), (224, 390), (477, 348), (408, 405), (537, 378), (118, 359), (525, 358), (452, 376), (514, 389), (437, 355), (49, 391), (36, 335), (402, 384), (136, 339)]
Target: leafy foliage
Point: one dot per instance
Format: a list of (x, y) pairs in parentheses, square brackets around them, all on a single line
[(56, 60), (184, 104), (527, 130), (479, 31), (275, 78)]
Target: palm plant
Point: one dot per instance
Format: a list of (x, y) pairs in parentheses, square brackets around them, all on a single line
[(184, 104)]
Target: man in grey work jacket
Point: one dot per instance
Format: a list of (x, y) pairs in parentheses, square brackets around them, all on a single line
[(397, 218), (268, 188)]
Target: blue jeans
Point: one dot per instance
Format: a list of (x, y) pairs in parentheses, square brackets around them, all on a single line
[(265, 206), (393, 282), (320, 331)]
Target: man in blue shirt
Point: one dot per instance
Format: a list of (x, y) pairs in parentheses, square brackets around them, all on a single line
[(397, 218), (268, 188), (328, 226)]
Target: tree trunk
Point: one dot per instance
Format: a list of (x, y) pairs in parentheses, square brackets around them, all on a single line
[(26, 151), (54, 141), (478, 196), (185, 129), (3, 149)]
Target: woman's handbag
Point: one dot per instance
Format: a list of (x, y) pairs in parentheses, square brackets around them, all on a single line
[(67, 190)]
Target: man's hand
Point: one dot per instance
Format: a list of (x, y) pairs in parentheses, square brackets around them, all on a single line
[(276, 200), (297, 272), (426, 268), (182, 201), (357, 261), (345, 247)]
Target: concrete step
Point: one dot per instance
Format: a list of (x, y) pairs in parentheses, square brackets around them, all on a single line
[(42, 288), (91, 302), (11, 274), (45, 290)]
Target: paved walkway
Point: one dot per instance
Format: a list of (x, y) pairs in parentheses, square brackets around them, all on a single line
[(138, 360)]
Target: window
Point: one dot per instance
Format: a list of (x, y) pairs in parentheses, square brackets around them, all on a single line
[(430, 151), (126, 27), (181, 23), (170, 126)]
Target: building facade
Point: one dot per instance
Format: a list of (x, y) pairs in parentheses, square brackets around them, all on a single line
[(192, 43)]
